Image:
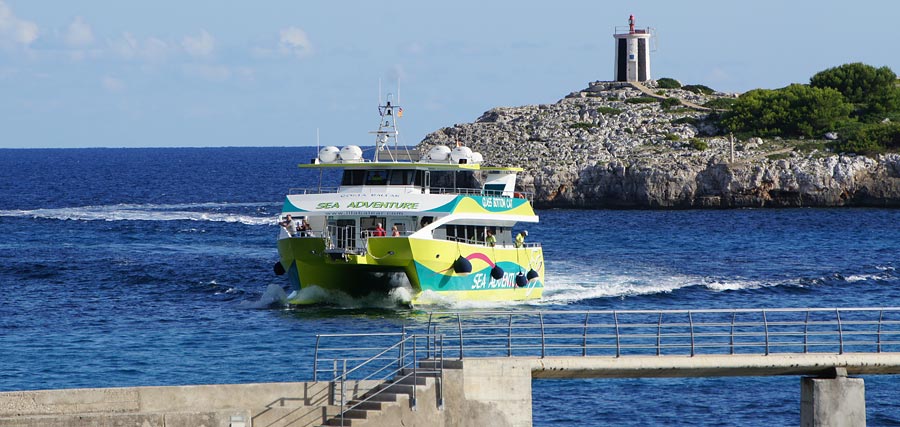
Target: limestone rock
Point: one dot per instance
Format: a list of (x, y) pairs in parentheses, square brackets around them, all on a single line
[(594, 149)]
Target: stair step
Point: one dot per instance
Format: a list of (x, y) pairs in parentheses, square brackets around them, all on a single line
[(423, 372), (396, 388), (356, 414), (385, 397), (368, 405), (417, 380)]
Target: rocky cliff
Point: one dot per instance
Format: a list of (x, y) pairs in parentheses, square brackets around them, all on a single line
[(613, 146)]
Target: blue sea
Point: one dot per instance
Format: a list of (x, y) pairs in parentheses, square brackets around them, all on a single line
[(132, 267)]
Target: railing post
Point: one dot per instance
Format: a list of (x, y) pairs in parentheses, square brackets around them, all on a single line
[(691, 323), (543, 348), (459, 326), (837, 313), (316, 361), (584, 335), (878, 339), (401, 359), (415, 375), (766, 330), (659, 335), (343, 391), (806, 333), (731, 335), (616, 321), (509, 338), (441, 376), (429, 331)]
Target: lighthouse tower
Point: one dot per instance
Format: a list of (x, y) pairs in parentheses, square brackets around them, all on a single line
[(632, 53)]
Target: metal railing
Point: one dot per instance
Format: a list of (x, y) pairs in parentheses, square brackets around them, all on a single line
[(622, 333), (401, 365), (422, 190)]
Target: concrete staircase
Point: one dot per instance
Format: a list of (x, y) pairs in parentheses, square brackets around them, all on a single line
[(392, 394)]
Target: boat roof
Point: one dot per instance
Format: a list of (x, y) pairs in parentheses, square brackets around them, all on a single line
[(408, 165)]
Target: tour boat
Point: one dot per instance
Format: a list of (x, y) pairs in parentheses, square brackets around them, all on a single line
[(442, 225)]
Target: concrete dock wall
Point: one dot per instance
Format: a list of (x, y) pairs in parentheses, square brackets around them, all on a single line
[(264, 404)]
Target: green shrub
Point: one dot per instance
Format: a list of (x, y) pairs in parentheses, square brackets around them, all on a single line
[(581, 125), (672, 137), (701, 89), (686, 120), (720, 103), (608, 110), (870, 138), (873, 91), (641, 100), (670, 103), (698, 144), (796, 110), (668, 83)]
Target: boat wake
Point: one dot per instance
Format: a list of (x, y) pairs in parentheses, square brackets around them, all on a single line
[(217, 212), (565, 287)]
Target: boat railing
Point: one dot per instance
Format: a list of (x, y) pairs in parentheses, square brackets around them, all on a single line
[(387, 233), (423, 190), (314, 190)]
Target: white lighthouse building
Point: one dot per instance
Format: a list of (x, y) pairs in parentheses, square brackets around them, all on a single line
[(632, 53)]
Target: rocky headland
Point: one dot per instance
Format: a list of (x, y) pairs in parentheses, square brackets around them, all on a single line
[(616, 145)]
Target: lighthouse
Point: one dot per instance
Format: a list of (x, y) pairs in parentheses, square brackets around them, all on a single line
[(632, 53)]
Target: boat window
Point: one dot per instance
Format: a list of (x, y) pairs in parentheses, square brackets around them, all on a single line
[(376, 177), (402, 177), (353, 177), (451, 232), (420, 179)]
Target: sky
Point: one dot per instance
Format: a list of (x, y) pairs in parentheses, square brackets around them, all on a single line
[(164, 73)]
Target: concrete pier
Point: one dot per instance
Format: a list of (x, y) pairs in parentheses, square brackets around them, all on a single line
[(833, 402), (475, 392)]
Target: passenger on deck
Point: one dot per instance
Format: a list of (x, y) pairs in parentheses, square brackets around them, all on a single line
[(489, 239), (289, 226), (305, 228), (395, 232), (379, 231), (520, 238)]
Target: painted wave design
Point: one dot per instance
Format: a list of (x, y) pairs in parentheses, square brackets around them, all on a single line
[(474, 281), (215, 212)]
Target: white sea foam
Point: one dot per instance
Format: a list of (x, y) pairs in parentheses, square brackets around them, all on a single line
[(150, 212)]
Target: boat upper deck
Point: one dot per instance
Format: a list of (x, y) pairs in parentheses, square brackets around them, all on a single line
[(389, 189)]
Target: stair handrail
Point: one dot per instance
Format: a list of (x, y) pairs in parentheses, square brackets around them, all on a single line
[(408, 349)]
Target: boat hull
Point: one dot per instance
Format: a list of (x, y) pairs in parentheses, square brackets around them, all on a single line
[(426, 266)]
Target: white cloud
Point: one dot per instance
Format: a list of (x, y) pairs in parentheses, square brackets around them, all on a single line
[(129, 47), (14, 29), (113, 84), (294, 41), (215, 73), (79, 33), (200, 46)]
